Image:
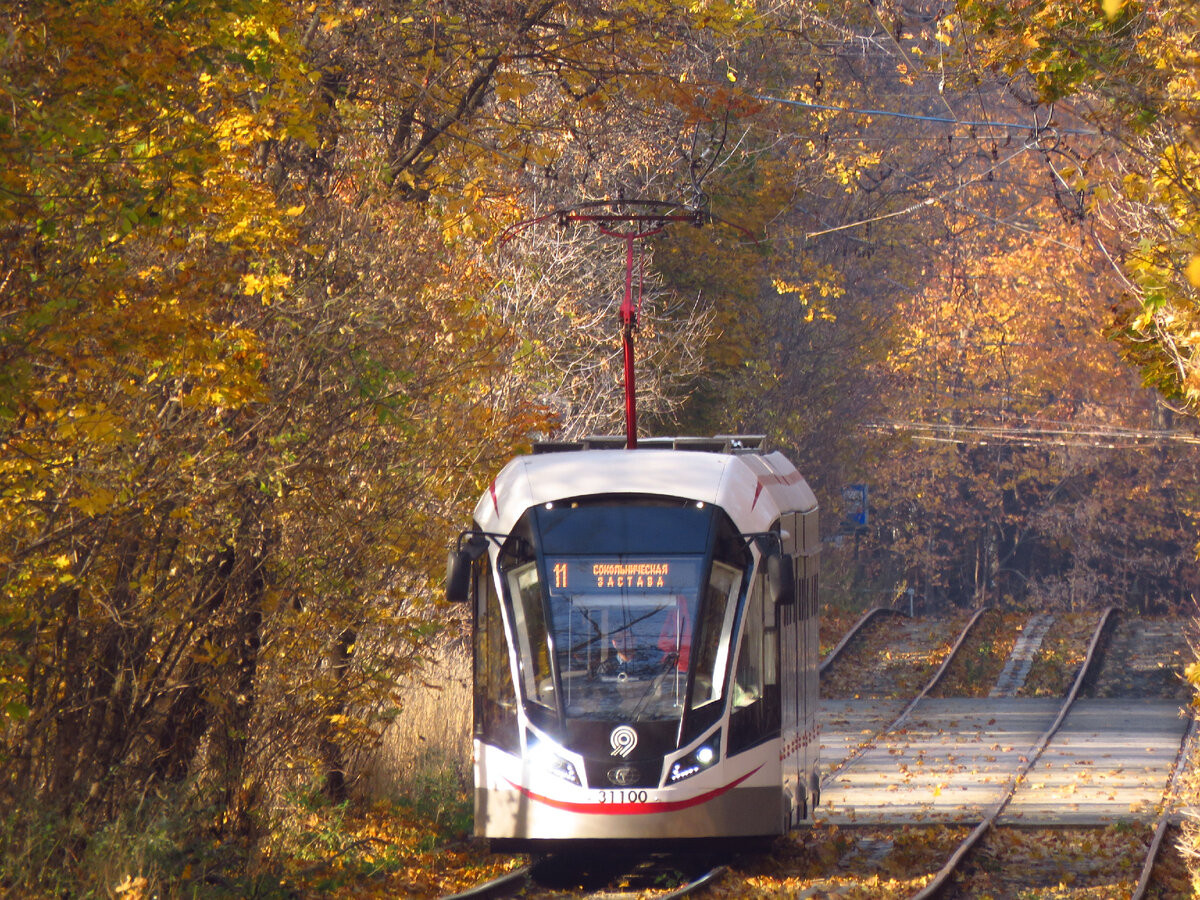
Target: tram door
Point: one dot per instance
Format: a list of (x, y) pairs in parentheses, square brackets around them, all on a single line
[(798, 649), (807, 582), (792, 688)]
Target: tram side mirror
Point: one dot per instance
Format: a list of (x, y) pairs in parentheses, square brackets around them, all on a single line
[(781, 579), (458, 576), (458, 567)]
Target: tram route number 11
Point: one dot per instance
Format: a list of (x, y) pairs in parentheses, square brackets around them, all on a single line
[(643, 575)]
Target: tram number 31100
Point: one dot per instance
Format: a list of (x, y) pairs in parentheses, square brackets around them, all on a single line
[(623, 797)]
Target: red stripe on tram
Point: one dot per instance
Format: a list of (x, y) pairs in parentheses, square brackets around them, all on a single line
[(770, 478), (631, 809), (757, 492), (773, 478)]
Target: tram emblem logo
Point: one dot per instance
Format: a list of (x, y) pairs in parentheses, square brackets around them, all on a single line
[(623, 739), (623, 776)]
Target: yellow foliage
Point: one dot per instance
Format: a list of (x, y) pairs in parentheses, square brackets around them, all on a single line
[(1192, 674)]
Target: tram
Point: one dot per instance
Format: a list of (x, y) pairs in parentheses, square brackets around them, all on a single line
[(645, 643)]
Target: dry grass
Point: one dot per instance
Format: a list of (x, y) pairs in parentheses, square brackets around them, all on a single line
[(1188, 842), (425, 755)]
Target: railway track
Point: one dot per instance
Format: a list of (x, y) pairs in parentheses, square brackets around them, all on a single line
[(995, 828), (898, 721), (875, 612), (949, 882), (659, 876), (509, 884), (1166, 814), (942, 880)]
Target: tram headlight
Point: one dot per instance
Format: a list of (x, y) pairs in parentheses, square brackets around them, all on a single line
[(703, 757), (543, 756)]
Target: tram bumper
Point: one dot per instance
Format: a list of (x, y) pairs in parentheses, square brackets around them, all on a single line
[(725, 802)]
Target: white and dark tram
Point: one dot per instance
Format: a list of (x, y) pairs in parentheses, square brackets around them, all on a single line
[(645, 643)]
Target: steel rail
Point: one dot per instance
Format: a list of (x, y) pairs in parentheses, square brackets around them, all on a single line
[(941, 878), (696, 884), (520, 880), (853, 632), (908, 710), (1165, 815), (525, 879), (502, 886)]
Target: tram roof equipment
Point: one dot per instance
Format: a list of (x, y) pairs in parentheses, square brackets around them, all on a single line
[(721, 443)]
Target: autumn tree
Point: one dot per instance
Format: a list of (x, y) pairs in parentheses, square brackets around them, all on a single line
[(228, 432), (1033, 425), (1129, 69), (933, 198), (134, 245), (257, 359)]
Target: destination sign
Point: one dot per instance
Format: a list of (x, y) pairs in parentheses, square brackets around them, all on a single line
[(591, 574)]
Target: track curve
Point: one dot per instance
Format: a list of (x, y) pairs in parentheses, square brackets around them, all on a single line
[(942, 879), (853, 632), (899, 720)]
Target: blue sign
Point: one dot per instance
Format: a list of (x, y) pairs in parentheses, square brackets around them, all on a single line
[(857, 508)]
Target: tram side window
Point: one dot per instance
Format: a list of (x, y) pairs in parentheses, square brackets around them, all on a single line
[(748, 674), (770, 647), (530, 625), (755, 697), (495, 699)]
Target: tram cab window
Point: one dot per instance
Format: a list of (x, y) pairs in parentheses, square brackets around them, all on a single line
[(530, 620), (495, 699), (716, 625), (624, 609), (623, 654)]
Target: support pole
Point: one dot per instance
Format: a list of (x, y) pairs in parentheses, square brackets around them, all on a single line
[(628, 325), (654, 224)]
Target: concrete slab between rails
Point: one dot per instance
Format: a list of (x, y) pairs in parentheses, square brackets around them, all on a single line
[(1110, 762), (951, 761)]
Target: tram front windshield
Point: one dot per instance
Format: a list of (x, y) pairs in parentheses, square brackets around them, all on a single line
[(615, 635)]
